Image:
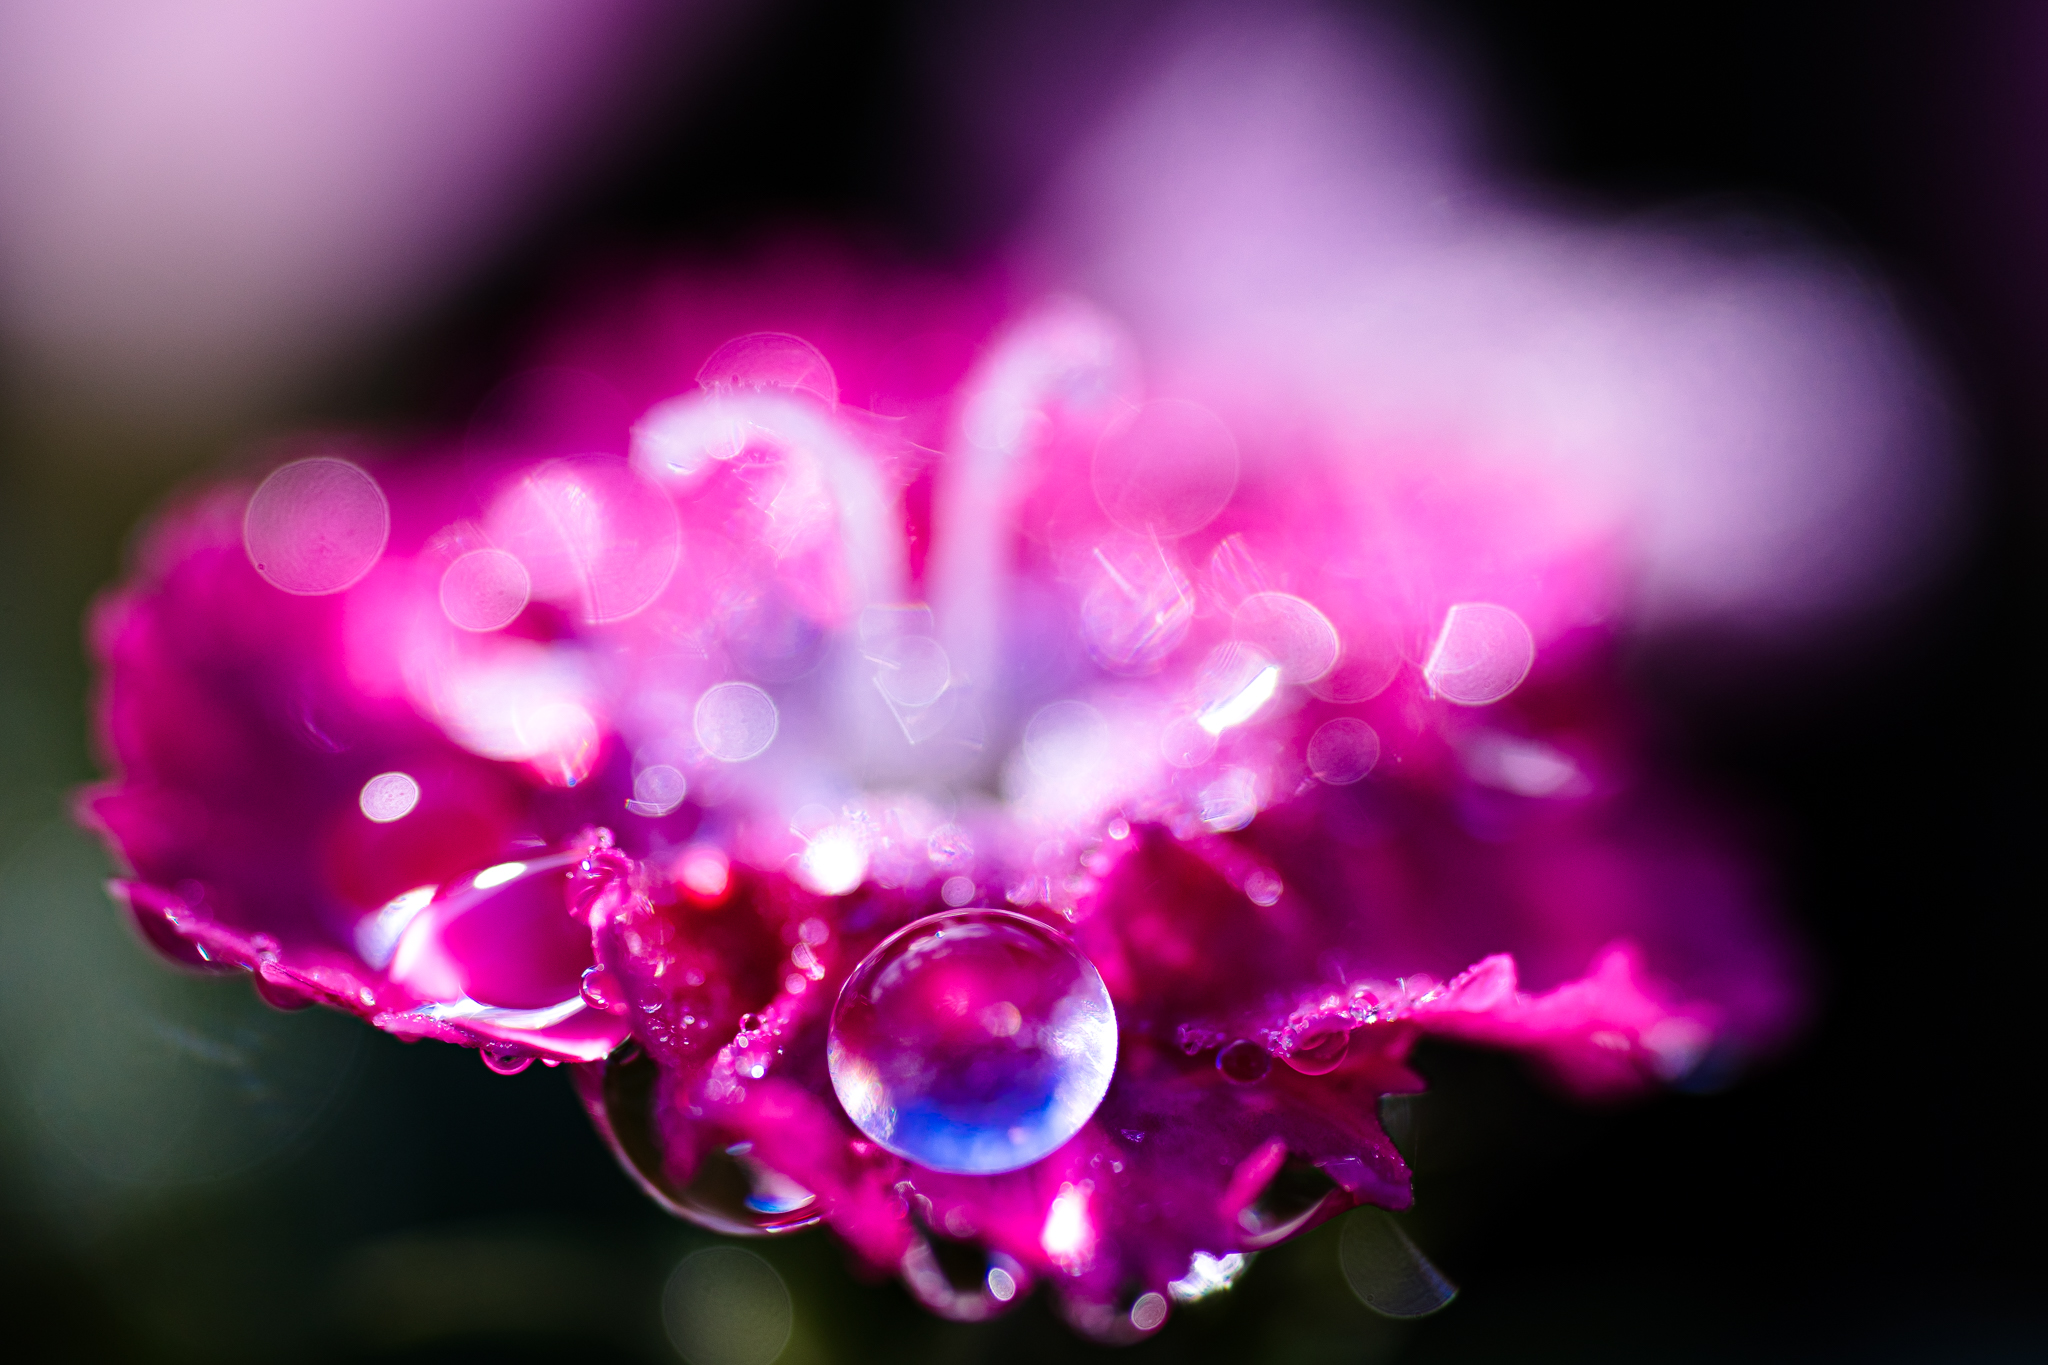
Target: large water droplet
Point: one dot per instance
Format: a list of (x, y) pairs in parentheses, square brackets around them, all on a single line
[(502, 937), (1320, 1053), (1386, 1270), (316, 526), (728, 1190), (973, 1042)]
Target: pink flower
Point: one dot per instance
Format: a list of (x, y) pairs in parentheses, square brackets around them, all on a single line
[(1243, 750)]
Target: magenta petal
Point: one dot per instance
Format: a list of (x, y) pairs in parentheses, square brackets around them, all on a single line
[(629, 759)]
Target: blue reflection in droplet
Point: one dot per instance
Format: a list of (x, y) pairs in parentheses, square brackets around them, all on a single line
[(974, 1042)]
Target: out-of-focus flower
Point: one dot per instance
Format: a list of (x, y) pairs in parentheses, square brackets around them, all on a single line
[(951, 762), (200, 203)]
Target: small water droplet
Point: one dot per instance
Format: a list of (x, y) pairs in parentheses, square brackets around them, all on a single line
[(728, 1192), (752, 1023), (601, 991), (957, 891), (507, 1059), (1244, 1061), (974, 1042), (502, 937), (1320, 1053), (1263, 888)]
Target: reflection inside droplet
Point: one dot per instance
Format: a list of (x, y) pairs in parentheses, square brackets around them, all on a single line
[(975, 1041), (1482, 653), (485, 590), (1343, 751), (735, 721), (1386, 1270), (316, 526), (389, 796), (727, 1191)]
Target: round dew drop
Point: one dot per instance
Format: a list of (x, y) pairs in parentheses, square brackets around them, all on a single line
[(973, 1042)]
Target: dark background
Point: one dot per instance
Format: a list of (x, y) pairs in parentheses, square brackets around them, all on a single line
[(1873, 1195)]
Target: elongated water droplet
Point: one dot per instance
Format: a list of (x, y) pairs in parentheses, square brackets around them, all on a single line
[(1388, 1272), (974, 1042)]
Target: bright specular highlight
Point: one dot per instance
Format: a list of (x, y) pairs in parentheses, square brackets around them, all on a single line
[(974, 1042)]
